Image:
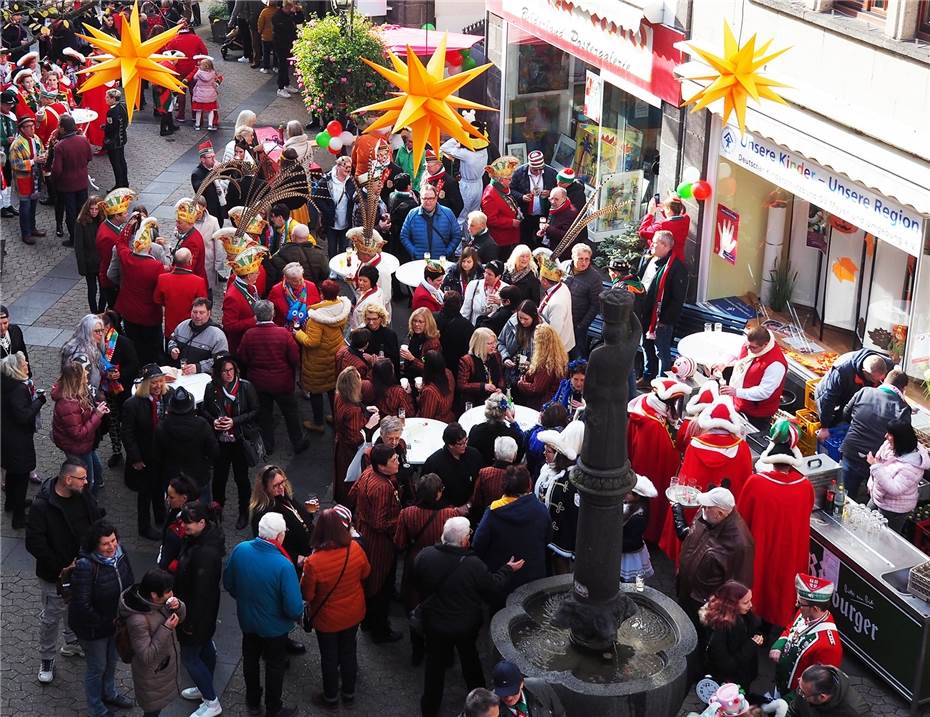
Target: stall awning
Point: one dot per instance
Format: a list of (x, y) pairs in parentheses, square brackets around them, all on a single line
[(623, 14), (424, 42)]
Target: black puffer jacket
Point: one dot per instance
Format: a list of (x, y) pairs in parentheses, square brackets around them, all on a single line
[(185, 443), (459, 605), (50, 538), (197, 584), (95, 591)]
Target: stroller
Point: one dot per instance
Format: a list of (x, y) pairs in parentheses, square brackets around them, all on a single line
[(231, 43)]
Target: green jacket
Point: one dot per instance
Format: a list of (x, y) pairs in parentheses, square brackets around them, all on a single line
[(404, 159)]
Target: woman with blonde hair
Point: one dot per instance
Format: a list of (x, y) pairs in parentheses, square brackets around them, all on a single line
[(350, 418), (243, 133), (480, 371), (295, 138), (546, 371), (521, 271), (272, 492), (423, 336), (76, 419)]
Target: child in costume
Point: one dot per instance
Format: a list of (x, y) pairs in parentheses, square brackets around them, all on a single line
[(204, 83)]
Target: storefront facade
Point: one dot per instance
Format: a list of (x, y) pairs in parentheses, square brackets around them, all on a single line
[(588, 92)]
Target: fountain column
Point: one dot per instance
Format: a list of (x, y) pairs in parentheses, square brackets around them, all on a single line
[(603, 477)]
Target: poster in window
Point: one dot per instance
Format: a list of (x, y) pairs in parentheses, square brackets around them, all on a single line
[(624, 189), (593, 94), (564, 152), (726, 233), (817, 229)]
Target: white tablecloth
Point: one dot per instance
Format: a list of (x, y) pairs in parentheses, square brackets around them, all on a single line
[(710, 348), (526, 417), (411, 273), (423, 437), (195, 383), (338, 264)]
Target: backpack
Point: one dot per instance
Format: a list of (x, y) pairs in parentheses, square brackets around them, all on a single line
[(63, 584), (122, 641)]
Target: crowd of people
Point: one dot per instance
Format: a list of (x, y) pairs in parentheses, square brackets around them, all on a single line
[(502, 319)]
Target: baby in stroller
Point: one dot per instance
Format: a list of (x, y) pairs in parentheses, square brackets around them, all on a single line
[(231, 43)]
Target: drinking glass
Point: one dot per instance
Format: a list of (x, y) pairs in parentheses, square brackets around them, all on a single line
[(718, 327)]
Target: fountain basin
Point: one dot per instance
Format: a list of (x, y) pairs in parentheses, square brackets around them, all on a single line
[(646, 676)]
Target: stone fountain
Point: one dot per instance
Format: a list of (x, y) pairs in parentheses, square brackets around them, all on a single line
[(606, 648)]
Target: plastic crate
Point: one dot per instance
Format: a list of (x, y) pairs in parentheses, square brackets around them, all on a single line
[(807, 420), (918, 581), (807, 445), (809, 386), (832, 445), (922, 536)]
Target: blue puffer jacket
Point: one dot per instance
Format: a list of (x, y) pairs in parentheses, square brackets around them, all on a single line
[(264, 585), (95, 591), (840, 384), (522, 529), (442, 241)]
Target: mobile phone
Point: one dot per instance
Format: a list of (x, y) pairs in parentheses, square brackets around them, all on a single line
[(655, 198)]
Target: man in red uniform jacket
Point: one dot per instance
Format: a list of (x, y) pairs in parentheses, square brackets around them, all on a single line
[(176, 291), (49, 114), (293, 292), (188, 42), (241, 293), (499, 205), (718, 456), (651, 445), (116, 209), (139, 272), (783, 535), (185, 212), (758, 378), (669, 217)]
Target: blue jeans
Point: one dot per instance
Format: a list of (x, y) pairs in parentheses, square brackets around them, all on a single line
[(200, 661), (658, 351), (27, 216), (99, 673), (94, 470), (854, 473)]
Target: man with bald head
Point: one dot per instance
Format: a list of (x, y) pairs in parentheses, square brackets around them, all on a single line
[(176, 290), (306, 251), (561, 216)]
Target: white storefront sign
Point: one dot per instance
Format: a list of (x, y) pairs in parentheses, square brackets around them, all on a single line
[(886, 219)]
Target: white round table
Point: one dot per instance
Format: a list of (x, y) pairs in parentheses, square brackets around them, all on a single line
[(340, 267), (83, 117), (411, 273), (195, 383), (423, 437), (709, 348), (526, 417)]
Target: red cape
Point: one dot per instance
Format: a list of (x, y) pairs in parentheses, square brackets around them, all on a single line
[(652, 454), (709, 459), (777, 509)]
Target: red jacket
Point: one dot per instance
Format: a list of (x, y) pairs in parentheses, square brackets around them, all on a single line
[(238, 316), (277, 297), (176, 291), (107, 234), (345, 606), (271, 357), (421, 297), (500, 217), (73, 427), (137, 286), (678, 226), (194, 243), (190, 44)]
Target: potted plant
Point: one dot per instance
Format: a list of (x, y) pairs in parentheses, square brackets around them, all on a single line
[(627, 246), (218, 13)]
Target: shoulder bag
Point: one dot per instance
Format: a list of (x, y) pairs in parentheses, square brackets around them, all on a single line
[(309, 615), (415, 618)]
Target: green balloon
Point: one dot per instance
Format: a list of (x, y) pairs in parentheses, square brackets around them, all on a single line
[(428, 26), (684, 190), (469, 63), (322, 139)]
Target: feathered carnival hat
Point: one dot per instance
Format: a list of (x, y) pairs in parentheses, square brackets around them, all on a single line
[(256, 225), (186, 210), (706, 395), (370, 244), (433, 270), (721, 415), (233, 244), (668, 389), (118, 201), (366, 238), (248, 260), (783, 446), (28, 58), (502, 167), (549, 269), (145, 235)]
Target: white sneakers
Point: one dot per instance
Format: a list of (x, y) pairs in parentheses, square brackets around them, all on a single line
[(263, 70), (208, 709), (191, 693), (243, 59), (72, 649), (283, 93), (47, 671)]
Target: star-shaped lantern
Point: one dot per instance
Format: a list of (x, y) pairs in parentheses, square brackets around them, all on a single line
[(736, 77), (130, 60), (425, 102)]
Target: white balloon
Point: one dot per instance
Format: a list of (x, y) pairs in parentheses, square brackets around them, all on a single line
[(654, 11), (347, 138), (724, 170), (691, 174), (335, 144)]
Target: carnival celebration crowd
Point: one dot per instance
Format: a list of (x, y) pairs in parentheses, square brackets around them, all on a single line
[(501, 322)]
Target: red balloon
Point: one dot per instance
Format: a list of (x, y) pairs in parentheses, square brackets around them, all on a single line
[(334, 128), (455, 59), (334, 152), (701, 190)]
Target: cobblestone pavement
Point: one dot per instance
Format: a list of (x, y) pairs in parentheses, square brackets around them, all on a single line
[(48, 297)]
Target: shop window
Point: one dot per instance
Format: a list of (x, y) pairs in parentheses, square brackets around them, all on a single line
[(917, 356), (923, 20), (871, 10)]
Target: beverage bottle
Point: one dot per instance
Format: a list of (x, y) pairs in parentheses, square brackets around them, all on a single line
[(829, 498), (839, 502)]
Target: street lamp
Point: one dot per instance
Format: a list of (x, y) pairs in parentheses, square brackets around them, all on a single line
[(340, 7)]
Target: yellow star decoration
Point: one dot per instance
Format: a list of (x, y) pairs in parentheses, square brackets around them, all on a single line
[(425, 103), (130, 60), (736, 77)]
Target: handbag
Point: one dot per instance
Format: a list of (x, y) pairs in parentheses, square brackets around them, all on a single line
[(307, 619), (415, 618), (254, 447)]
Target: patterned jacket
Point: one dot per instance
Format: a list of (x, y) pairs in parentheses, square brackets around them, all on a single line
[(23, 153)]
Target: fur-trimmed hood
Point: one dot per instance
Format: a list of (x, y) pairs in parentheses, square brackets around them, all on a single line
[(330, 312)]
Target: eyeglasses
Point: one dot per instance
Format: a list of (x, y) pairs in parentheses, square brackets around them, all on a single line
[(82, 479)]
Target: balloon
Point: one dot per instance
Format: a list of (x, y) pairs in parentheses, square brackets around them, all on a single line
[(691, 174), (428, 26), (469, 63), (724, 170), (347, 138), (455, 59), (334, 152), (334, 128), (654, 12), (701, 190), (335, 143), (322, 139), (684, 190)]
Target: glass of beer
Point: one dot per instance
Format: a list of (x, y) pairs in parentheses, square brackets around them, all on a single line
[(312, 504)]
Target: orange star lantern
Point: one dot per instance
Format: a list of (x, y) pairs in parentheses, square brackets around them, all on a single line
[(425, 102), (736, 77), (130, 60)]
